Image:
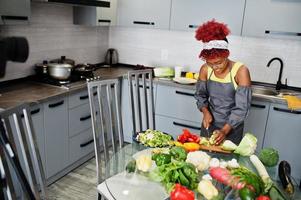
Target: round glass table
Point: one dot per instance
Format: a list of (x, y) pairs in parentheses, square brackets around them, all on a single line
[(136, 186)]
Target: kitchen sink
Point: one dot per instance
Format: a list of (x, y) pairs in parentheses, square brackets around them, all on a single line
[(268, 91), (264, 91)]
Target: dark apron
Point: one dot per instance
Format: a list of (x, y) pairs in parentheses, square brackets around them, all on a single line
[(221, 102)]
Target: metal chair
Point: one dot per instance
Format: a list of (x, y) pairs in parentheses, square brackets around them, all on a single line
[(104, 97), (17, 131), (141, 99)]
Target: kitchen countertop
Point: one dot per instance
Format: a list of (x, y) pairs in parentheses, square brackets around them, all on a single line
[(31, 92), (35, 92)]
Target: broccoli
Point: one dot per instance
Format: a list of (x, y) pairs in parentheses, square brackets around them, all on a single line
[(269, 157)]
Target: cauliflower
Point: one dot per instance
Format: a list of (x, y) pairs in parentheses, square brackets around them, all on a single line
[(214, 162), (223, 164), (207, 189), (143, 163), (207, 177), (199, 159), (233, 163)]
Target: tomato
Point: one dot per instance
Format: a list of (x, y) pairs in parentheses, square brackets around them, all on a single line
[(181, 193), (262, 197)]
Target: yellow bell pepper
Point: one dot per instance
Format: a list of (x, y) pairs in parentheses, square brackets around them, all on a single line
[(189, 75), (191, 146)]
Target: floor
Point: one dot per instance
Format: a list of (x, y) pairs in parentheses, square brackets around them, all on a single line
[(78, 185)]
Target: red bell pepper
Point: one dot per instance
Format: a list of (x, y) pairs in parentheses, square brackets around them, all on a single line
[(262, 197), (187, 136), (181, 193)]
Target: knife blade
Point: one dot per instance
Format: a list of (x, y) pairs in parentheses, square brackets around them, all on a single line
[(207, 131)]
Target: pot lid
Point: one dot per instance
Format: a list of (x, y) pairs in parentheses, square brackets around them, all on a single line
[(60, 65)]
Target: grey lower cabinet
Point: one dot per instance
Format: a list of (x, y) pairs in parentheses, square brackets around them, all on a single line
[(36, 112), (256, 121), (283, 132), (126, 112), (189, 14), (80, 127), (177, 103), (56, 135), (175, 127)]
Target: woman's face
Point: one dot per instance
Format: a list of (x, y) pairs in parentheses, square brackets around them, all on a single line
[(217, 64)]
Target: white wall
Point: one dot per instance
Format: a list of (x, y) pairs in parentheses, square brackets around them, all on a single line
[(51, 34), (143, 46)]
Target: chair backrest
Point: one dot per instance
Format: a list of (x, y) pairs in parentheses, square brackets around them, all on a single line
[(17, 125), (104, 97), (141, 99)]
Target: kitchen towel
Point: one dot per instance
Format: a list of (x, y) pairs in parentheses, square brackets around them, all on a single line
[(293, 102)]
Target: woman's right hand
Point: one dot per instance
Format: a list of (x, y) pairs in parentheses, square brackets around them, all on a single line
[(207, 119)]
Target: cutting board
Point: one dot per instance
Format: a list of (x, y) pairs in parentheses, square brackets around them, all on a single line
[(213, 148)]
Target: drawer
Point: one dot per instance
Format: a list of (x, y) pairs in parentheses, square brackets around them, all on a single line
[(175, 127), (79, 98), (80, 145), (79, 119), (177, 103)]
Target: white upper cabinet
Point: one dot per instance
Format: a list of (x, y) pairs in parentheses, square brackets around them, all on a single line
[(269, 17), (107, 16), (188, 14), (96, 16), (144, 13), (14, 11)]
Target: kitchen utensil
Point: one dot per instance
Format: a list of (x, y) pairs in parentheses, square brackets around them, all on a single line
[(60, 71), (42, 68), (178, 71), (84, 70), (164, 72), (207, 131), (183, 80), (111, 57), (63, 60)]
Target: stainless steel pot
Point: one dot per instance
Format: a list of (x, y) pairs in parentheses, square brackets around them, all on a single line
[(60, 71)]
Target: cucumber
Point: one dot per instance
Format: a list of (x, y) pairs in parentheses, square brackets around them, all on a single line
[(284, 172)]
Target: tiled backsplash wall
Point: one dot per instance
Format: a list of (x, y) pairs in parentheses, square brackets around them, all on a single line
[(172, 48), (51, 34)]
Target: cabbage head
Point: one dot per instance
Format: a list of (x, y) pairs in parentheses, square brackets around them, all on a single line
[(247, 146), (269, 157)]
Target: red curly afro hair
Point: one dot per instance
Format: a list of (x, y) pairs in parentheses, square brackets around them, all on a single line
[(212, 30)]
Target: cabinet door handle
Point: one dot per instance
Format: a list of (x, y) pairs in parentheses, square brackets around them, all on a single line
[(86, 143), (192, 26), (141, 86), (287, 111), (257, 105), (32, 112), (186, 125), (84, 97), (282, 33), (56, 104), (20, 18), (185, 93), (85, 118), (144, 23), (104, 20)]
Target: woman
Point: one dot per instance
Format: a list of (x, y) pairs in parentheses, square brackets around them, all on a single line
[(223, 91)]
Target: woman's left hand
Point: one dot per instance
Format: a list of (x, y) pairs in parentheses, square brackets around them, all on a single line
[(220, 136)]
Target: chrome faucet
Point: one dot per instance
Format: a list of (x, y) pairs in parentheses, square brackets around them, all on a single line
[(279, 85)]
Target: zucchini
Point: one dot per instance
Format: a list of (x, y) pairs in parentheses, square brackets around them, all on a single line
[(284, 172)]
